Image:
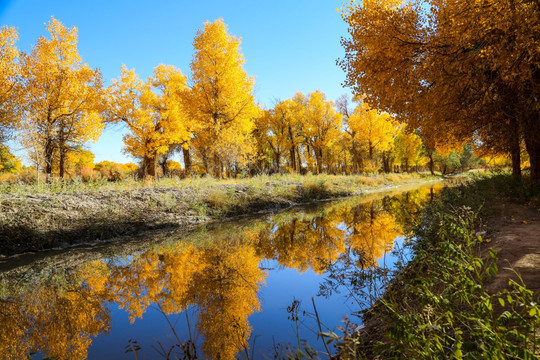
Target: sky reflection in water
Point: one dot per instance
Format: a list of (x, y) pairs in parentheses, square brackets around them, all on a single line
[(226, 289)]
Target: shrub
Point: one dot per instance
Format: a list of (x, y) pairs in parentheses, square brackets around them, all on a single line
[(218, 198), (314, 188), (114, 171)]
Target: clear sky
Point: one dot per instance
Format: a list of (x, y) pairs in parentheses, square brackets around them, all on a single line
[(288, 45)]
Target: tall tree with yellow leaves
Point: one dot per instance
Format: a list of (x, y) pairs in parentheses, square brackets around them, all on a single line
[(321, 127), (9, 70), (221, 99), (373, 131), (61, 97), (153, 112), (408, 148), (467, 68)]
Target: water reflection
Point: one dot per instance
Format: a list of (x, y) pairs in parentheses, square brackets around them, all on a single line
[(58, 319), (217, 273)]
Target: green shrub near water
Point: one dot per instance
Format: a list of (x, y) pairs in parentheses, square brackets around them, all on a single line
[(436, 307), (445, 311)]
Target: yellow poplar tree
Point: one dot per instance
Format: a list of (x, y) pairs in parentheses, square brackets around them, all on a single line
[(221, 99), (62, 97), (374, 131), (152, 111), (9, 70), (408, 147), (321, 124)]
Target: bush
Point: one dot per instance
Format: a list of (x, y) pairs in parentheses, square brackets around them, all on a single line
[(114, 171), (314, 188)]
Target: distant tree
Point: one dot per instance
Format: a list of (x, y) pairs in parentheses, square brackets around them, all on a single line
[(9, 163), (321, 127), (373, 131), (152, 111), (408, 148)]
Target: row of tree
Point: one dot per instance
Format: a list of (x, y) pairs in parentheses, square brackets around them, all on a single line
[(56, 103), (467, 70)]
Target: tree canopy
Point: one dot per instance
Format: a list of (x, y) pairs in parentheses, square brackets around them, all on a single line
[(468, 69)]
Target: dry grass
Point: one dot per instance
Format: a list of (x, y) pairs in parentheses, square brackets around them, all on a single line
[(269, 184), (100, 209)]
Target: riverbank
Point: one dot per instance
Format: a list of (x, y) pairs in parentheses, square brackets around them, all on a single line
[(38, 217), (471, 289)]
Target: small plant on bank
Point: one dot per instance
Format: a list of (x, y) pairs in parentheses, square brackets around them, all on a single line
[(315, 189)]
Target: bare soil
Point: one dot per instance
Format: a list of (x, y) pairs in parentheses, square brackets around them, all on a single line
[(515, 233)]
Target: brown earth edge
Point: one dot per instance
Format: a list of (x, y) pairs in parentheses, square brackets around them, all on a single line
[(515, 234), (36, 222)]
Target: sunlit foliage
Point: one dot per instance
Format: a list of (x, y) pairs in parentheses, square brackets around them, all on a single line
[(61, 98), (9, 70), (459, 69), (221, 99)]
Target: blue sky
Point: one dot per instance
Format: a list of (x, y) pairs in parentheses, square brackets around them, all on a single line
[(288, 45)]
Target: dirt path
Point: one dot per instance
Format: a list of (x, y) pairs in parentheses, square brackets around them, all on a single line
[(515, 234)]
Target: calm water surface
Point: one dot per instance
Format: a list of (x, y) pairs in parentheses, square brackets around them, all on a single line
[(243, 290)]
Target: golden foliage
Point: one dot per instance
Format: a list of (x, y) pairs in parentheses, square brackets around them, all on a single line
[(152, 111), (58, 322), (454, 69), (221, 99), (9, 70), (61, 97)]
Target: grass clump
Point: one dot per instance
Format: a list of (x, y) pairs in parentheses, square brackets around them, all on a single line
[(315, 188), (219, 199)]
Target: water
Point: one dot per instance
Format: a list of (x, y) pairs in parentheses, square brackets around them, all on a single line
[(250, 289)]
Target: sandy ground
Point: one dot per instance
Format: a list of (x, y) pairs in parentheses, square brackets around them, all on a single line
[(515, 234)]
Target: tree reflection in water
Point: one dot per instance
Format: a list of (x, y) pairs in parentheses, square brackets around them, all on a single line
[(217, 274)]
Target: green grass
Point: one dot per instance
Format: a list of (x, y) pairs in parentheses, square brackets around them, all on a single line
[(436, 306)]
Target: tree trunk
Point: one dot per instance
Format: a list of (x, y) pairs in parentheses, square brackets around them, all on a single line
[(515, 151), (431, 163), (298, 160), (165, 168), (532, 144), (187, 161), (62, 162), (149, 166), (292, 150), (386, 162), (49, 153), (318, 160)]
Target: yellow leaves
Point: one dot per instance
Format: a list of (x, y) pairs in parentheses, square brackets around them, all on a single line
[(408, 148), (153, 111), (58, 323), (61, 96), (373, 130), (221, 99), (9, 70)]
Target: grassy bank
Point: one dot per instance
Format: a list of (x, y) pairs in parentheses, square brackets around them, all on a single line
[(437, 306), (41, 216)]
